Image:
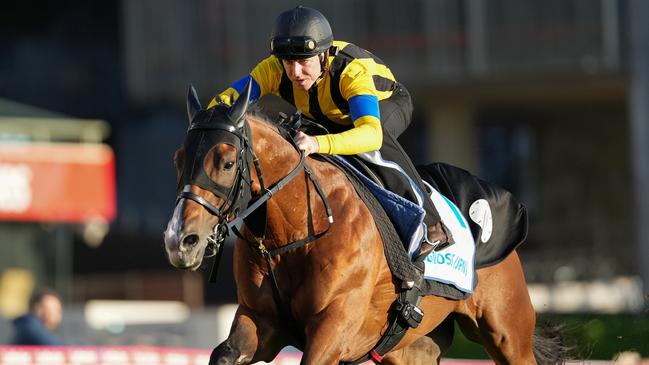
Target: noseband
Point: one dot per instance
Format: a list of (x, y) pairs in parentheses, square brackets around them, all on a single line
[(238, 195), (235, 196)]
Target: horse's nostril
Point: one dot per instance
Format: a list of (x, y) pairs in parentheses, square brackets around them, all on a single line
[(190, 240)]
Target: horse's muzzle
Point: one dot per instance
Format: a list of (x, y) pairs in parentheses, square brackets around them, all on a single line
[(185, 252), (188, 260)]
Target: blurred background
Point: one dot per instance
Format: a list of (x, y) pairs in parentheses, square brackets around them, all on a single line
[(549, 99)]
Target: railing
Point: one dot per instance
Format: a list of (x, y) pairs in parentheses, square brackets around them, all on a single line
[(131, 356), (35, 355)]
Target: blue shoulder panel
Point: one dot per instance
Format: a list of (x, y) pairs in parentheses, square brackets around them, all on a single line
[(241, 83), (362, 105)]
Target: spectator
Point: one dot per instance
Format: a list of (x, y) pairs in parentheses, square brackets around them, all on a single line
[(44, 316)]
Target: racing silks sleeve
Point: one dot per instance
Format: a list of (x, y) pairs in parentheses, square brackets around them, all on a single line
[(364, 137), (266, 77), (357, 87)]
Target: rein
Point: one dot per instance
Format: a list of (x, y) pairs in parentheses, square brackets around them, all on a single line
[(258, 239), (404, 315), (221, 229)]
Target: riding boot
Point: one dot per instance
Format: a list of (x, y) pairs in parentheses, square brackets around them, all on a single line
[(438, 237)]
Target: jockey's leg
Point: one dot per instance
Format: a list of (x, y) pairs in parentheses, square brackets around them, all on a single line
[(396, 113)]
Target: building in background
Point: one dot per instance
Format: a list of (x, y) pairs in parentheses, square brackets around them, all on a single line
[(56, 177), (539, 97), (533, 96)]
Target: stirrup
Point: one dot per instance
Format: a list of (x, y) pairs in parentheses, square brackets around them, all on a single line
[(442, 246), (438, 245), (434, 243)]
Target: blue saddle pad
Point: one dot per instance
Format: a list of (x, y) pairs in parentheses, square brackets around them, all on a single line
[(406, 216)]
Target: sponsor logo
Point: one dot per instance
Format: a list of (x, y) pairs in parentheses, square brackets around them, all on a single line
[(15, 189), (480, 213), (456, 262)]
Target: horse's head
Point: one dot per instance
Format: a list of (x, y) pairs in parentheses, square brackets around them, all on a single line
[(213, 180)]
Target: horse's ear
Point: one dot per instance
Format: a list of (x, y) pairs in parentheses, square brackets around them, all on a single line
[(193, 104), (240, 106)]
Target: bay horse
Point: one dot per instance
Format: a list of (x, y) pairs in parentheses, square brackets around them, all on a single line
[(330, 297)]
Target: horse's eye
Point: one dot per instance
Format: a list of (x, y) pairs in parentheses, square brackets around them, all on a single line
[(229, 165)]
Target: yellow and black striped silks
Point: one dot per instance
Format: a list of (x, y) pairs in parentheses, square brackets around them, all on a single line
[(345, 99)]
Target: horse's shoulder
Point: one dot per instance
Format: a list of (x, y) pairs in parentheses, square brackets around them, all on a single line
[(328, 171)]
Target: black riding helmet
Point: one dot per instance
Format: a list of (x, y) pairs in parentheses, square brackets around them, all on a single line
[(300, 32)]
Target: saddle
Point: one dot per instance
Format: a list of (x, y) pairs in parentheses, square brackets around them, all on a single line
[(463, 189), (395, 251), (472, 196), (469, 193)]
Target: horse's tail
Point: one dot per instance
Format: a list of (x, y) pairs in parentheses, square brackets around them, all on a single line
[(549, 344)]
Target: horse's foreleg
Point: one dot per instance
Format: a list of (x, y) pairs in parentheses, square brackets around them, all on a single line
[(423, 351), (225, 354), (323, 344), (251, 339), (333, 334)]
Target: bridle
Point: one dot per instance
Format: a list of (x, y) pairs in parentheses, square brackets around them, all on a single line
[(236, 130), (235, 196), (238, 203)]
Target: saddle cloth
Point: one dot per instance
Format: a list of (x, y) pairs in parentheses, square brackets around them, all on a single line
[(498, 221), (453, 265), (497, 224)]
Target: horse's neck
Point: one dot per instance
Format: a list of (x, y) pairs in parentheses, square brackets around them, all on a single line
[(277, 157), (286, 210)]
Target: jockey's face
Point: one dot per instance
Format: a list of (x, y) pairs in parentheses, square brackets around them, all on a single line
[(305, 72)]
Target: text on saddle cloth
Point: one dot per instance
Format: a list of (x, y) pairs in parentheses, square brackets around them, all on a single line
[(456, 266)]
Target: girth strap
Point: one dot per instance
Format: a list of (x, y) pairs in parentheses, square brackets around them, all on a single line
[(405, 314)]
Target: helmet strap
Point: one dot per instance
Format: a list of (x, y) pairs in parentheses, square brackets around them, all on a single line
[(324, 62)]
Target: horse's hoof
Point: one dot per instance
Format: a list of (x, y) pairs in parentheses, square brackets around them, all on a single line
[(224, 354)]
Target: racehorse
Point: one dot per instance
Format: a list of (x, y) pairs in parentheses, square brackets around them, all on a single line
[(322, 287)]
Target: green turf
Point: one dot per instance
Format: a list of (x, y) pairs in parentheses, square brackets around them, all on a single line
[(591, 336)]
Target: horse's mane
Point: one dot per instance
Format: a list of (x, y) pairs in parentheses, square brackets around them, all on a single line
[(256, 113)]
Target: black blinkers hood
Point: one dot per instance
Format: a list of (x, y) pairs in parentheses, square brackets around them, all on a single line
[(207, 129)]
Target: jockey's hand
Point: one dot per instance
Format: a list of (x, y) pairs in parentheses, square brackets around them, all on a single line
[(306, 143)]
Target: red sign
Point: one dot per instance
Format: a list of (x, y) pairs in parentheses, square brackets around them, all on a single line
[(56, 182)]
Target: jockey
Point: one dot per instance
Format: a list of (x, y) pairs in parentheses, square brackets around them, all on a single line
[(353, 94)]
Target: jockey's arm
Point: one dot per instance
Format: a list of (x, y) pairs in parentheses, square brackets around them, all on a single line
[(358, 88), (265, 78), (366, 135), (231, 94)]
